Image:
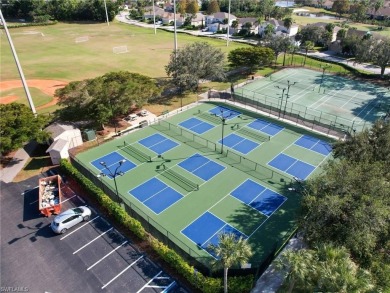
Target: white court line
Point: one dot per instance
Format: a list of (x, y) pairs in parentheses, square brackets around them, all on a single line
[(106, 255), (82, 247), (69, 198), (70, 233), (324, 97), (143, 287), (129, 266)]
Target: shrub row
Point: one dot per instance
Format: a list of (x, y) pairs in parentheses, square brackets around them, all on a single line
[(30, 24), (176, 262)]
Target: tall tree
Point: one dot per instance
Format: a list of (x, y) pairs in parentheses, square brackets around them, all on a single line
[(18, 125), (308, 45), (192, 7), (288, 22), (213, 7), (194, 62), (266, 7), (340, 7), (278, 44), (377, 4), (182, 7), (230, 251), (252, 57), (376, 51)]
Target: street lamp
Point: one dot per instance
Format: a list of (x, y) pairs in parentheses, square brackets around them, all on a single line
[(323, 74), (114, 174), (223, 120), (281, 102)]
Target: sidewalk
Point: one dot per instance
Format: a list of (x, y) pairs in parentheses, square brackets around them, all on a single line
[(8, 173)]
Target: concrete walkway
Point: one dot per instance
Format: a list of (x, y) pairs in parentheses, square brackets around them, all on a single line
[(8, 173)]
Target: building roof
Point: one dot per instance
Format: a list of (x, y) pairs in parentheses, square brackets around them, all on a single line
[(223, 15), (58, 145), (244, 20), (57, 129)]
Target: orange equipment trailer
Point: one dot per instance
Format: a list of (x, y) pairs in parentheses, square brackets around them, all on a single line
[(50, 196)]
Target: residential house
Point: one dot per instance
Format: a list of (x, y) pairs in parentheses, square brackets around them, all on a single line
[(198, 19), (382, 13), (148, 12), (323, 25), (219, 17), (243, 21), (279, 28), (168, 19)]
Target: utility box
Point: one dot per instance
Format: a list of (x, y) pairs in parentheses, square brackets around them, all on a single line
[(89, 135)]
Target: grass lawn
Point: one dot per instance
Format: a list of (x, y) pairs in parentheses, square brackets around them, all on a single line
[(55, 55), (39, 98)]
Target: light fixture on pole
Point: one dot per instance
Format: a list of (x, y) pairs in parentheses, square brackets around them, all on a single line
[(105, 6), (281, 101), (228, 25), (287, 95), (325, 67), (114, 174), (223, 120), (154, 18)]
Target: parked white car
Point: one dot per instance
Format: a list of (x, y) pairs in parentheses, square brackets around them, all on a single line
[(66, 220), (143, 113)]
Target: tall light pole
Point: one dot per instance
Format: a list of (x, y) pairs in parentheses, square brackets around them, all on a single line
[(174, 27), (325, 67), (19, 67), (154, 18), (113, 174), (281, 101), (223, 120), (227, 33), (287, 95), (105, 7)]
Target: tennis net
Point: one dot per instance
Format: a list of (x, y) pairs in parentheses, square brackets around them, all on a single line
[(138, 154), (210, 118), (254, 134), (180, 180)]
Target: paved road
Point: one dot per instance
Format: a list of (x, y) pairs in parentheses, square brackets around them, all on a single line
[(91, 257)]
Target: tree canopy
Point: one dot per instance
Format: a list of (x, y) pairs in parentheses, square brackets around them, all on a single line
[(18, 125), (349, 205), (106, 96), (340, 7), (374, 50), (213, 7), (194, 62), (252, 57)]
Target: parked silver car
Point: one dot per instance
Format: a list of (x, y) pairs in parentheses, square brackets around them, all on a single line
[(69, 218)]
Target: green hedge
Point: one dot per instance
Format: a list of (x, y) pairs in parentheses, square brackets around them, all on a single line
[(198, 280), (30, 24)]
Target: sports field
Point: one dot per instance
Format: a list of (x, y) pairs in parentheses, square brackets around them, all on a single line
[(175, 176), (314, 96)]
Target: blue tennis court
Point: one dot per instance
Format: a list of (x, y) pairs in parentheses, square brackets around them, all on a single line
[(266, 127), (201, 166), (292, 166), (196, 125), (258, 197), (205, 230), (239, 143), (314, 144), (111, 162), (224, 112), (158, 143), (156, 195)]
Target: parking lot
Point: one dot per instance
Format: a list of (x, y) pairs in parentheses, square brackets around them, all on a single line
[(90, 257)]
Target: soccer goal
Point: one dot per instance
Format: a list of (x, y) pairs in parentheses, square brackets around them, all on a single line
[(81, 39), (119, 49)]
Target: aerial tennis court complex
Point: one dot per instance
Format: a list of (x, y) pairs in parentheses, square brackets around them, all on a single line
[(190, 177)]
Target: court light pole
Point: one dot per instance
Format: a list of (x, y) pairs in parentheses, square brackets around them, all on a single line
[(223, 120), (287, 95), (114, 174), (325, 67), (281, 101)]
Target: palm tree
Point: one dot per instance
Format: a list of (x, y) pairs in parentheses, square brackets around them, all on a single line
[(229, 251), (293, 49), (299, 265), (287, 22), (308, 45)]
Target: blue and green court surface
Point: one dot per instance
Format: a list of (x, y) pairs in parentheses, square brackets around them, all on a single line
[(174, 175)]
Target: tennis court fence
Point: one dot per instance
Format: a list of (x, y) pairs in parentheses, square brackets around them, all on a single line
[(324, 122)]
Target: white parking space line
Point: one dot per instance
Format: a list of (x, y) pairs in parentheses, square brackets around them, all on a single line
[(129, 266), (83, 201), (93, 240), (146, 285), (69, 198), (169, 287), (29, 191), (106, 255), (70, 233)]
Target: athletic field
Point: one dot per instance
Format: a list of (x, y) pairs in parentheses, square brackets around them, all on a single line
[(176, 178), (324, 99)]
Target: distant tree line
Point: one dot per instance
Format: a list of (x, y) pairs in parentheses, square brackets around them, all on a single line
[(61, 10)]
